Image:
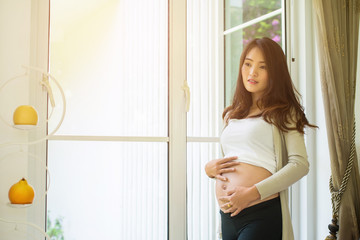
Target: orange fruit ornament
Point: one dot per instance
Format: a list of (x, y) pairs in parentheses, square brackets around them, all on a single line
[(25, 115), (21, 193)]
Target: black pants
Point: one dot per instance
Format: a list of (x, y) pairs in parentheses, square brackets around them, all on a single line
[(261, 221)]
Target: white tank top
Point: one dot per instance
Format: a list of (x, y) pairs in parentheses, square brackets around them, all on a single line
[(251, 140)]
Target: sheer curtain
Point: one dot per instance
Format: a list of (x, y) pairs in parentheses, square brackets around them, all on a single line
[(337, 25)]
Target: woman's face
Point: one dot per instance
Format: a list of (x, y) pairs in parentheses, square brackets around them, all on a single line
[(254, 73)]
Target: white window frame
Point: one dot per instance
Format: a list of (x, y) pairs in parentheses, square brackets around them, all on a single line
[(177, 115), (177, 121), (38, 58)]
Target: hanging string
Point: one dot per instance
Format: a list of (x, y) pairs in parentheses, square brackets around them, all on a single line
[(337, 194)]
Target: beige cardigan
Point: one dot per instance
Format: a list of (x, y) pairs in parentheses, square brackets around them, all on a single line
[(292, 165)]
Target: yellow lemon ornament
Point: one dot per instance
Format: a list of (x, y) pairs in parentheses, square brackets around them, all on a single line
[(25, 115), (21, 193)]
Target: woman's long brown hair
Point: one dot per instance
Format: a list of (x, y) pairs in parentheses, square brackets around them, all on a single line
[(280, 103)]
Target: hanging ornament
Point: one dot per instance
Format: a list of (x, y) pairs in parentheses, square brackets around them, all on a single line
[(25, 115), (21, 193)]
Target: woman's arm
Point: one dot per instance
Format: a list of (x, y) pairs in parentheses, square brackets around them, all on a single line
[(293, 171)]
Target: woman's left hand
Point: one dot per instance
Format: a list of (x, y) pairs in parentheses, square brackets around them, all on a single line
[(238, 199)]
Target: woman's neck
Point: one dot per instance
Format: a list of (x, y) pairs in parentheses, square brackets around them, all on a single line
[(254, 111)]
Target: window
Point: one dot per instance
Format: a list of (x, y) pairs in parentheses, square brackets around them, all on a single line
[(207, 33), (205, 78), (109, 159), (244, 21), (113, 149), (93, 140)]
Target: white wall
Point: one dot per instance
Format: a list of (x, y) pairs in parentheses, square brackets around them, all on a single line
[(20, 25), (312, 200), (14, 52)]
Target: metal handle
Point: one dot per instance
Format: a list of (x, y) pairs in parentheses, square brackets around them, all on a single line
[(186, 89)]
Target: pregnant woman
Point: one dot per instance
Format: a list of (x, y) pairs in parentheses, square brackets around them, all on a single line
[(263, 146)]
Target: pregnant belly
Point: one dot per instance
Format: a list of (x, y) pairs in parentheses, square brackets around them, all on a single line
[(246, 175)]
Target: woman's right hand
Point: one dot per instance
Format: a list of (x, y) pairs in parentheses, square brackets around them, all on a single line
[(215, 168)]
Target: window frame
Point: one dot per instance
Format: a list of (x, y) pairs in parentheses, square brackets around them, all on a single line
[(176, 138), (177, 72)]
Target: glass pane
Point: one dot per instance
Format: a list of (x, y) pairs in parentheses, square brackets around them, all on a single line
[(270, 28), (203, 211), (235, 42), (241, 11), (233, 49), (204, 117), (108, 190), (111, 59)]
